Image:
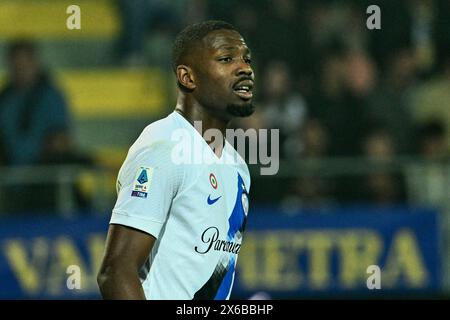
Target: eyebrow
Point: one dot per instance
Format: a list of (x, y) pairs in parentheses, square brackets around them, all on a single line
[(230, 48)]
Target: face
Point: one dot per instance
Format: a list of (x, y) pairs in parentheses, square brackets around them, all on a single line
[(24, 68), (223, 76)]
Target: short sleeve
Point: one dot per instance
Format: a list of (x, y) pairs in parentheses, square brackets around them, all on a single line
[(146, 185)]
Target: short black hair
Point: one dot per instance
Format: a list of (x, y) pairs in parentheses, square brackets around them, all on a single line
[(431, 129), (191, 35), (21, 45)]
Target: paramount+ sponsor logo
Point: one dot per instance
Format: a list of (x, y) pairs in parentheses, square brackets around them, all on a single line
[(211, 238)]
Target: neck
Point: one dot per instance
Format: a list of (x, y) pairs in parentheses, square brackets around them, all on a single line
[(192, 111)]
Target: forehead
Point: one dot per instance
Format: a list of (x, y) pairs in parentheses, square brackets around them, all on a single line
[(224, 39)]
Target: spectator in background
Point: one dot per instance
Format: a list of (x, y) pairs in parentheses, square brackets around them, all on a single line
[(429, 180), (433, 141), (34, 126), (315, 140), (380, 186), (311, 188), (346, 80), (34, 118), (282, 107), (431, 99), (390, 104), (353, 117), (340, 102)]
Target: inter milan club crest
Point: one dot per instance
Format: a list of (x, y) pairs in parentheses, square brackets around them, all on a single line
[(213, 180)]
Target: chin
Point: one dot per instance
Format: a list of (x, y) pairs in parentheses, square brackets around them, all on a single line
[(241, 110)]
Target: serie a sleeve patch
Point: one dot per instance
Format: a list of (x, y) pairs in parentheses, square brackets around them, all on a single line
[(142, 182)]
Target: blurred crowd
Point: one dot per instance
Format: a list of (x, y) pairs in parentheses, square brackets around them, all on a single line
[(333, 87), (35, 129), (337, 89)]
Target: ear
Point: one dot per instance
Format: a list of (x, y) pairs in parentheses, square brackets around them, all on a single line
[(185, 77)]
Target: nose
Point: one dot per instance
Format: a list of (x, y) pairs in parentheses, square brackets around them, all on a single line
[(244, 68)]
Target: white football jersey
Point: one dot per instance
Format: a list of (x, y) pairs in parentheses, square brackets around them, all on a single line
[(196, 211)]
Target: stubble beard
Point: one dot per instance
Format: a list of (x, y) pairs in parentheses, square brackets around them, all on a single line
[(241, 111)]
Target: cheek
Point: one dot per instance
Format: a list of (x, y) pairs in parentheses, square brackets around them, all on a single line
[(216, 83)]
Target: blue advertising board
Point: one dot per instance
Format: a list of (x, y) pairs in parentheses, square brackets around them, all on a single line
[(339, 252), (287, 256)]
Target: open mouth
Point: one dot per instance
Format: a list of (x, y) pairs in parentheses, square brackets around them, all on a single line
[(244, 89)]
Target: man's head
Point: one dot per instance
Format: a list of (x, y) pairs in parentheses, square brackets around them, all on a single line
[(23, 63), (212, 64), (432, 140)]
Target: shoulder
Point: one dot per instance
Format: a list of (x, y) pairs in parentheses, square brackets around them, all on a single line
[(153, 149), (155, 143), (46, 84), (158, 133)]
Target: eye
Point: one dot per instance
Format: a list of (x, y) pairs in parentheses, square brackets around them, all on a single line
[(248, 60), (226, 59)]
